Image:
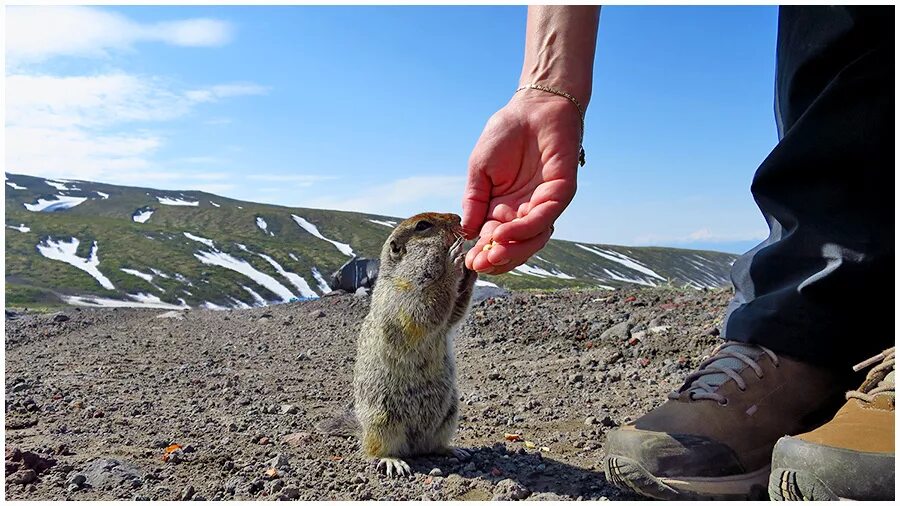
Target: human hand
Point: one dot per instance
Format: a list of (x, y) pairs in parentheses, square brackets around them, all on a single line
[(522, 175)]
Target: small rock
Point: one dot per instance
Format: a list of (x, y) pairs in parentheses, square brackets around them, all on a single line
[(509, 490), (590, 420), (187, 493), (77, 479), (435, 472), (60, 317), (280, 461), (262, 441), (494, 375), (288, 409), (290, 493), (607, 421), (22, 477), (296, 439), (18, 387), (576, 378), (618, 331)]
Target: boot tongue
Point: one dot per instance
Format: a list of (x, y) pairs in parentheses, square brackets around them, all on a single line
[(712, 381)]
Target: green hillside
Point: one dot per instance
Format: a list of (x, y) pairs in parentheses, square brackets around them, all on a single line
[(181, 278)]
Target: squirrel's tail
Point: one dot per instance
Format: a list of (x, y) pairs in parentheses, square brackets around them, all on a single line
[(344, 424)]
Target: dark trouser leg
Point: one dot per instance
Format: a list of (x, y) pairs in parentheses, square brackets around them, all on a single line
[(821, 287)]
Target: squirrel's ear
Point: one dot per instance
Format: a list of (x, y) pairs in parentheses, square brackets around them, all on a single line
[(395, 250)]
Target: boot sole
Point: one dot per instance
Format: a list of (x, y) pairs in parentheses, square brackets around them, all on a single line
[(803, 471), (795, 485), (627, 474)]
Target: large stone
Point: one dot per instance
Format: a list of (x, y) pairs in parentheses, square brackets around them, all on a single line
[(619, 331), (111, 473)]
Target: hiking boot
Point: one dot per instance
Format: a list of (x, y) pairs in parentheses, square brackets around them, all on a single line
[(850, 457), (713, 438)]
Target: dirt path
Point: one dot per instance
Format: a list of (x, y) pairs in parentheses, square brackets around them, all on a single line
[(95, 398)]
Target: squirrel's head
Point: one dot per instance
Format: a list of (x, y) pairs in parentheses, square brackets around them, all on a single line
[(419, 249)]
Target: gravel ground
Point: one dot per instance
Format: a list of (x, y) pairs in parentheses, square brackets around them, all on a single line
[(97, 400)]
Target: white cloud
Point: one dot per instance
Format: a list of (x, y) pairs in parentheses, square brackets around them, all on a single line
[(89, 127), (402, 197), (703, 235), (35, 34), (224, 91), (301, 180)]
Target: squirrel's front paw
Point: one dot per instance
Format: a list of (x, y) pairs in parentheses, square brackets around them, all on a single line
[(394, 467)]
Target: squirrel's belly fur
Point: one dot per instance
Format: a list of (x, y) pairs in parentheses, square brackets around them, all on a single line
[(405, 397)]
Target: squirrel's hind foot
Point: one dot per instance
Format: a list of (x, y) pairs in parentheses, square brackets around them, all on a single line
[(394, 467)]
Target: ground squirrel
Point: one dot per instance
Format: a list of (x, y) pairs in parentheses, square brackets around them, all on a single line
[(405, 400)]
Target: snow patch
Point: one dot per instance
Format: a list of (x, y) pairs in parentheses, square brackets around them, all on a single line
[(21, 228), (182, 279), (159, 273), (48, 206), (242, 267), (622, 260), (261, 223), (177, 202), (146, 277), (295, 279), (532, 270), (617, 276), (14, 186), (386, 223), (141, 301), (309, 227), (60, 185), (142, 216), (323, 285), (103, 196), (239, 304), (65, 252), (193, 237), (481, 282), (257, 297), (215, 307), (214, 204), (293, 257)]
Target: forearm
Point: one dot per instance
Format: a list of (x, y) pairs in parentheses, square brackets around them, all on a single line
[(559, 48)]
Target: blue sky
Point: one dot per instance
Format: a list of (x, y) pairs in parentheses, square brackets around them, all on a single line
[(377, 108)]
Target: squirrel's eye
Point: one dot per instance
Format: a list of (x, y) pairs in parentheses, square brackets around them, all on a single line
[(423, 225)]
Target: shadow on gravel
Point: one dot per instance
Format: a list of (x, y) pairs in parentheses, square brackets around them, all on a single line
[(531, 471)]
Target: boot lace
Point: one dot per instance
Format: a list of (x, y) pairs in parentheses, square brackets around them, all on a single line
[(725, 363), (880, 379)]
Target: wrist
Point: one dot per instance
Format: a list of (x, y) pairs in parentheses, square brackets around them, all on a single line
[(580, 90)]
